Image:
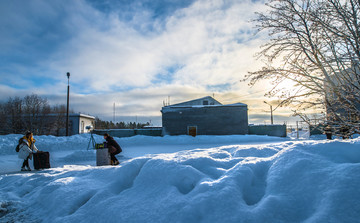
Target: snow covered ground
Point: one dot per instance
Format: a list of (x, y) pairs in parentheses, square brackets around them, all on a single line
[(185, 179)]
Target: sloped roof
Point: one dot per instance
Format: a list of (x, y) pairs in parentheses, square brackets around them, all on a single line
[(199, 101)]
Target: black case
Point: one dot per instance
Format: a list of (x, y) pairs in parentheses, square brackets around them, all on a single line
[(41, 160)]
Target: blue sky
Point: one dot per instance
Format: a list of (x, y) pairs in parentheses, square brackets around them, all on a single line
[(131, 53)]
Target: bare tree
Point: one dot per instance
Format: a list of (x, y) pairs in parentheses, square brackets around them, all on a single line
[(316, 45), (3, 119), (12, 111), (36, 110), (31, 113), (59, 122)]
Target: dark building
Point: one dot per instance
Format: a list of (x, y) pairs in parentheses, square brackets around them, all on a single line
[(205, 116)]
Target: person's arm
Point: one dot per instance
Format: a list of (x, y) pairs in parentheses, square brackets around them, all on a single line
[(25, 145), (33, 147)]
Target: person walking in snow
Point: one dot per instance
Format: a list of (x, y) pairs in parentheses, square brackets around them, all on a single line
[(328, 132), (26, 149), (113, 147)]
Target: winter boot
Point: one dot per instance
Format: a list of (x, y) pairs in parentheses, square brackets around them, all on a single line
[(116, 162)]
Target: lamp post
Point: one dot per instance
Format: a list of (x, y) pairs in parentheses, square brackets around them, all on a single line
[(271, 112), (67, 108)]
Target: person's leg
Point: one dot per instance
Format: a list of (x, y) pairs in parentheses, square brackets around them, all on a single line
[(116, 161), (27, 163), (23, 165), (112, 156), (112, 152)]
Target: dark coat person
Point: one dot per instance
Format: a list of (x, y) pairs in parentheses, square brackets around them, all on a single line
[(328, 132), (113, 147)]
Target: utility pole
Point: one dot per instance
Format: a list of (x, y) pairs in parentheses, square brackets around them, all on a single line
[(271, 113), (297, 129), (114, 112), (67, 107)]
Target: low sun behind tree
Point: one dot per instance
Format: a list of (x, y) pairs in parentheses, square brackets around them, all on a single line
[(316, 45)]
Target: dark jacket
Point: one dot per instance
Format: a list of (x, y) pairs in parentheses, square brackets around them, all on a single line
[(111, 142)]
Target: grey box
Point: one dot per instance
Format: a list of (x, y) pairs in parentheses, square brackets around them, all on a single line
[(102, 157)]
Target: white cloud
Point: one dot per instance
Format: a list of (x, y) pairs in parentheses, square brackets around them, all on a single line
[(209, 43)]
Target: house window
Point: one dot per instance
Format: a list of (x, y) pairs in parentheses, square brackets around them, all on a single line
[(192, 130), (82, 127), (205, 102)]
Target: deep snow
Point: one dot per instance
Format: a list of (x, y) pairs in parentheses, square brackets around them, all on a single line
[(185, 179)]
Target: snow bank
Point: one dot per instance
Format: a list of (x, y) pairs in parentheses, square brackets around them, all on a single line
[(48, 143), (74, 149), (81, 142), (292, 181)]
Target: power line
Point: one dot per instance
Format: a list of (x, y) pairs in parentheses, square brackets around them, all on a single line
[(241, 96), (114, 112)]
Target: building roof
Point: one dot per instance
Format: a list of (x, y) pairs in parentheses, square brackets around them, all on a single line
[(199, 103), (72, 115), (81, 115)]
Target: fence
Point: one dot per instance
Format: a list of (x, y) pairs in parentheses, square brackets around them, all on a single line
[(129, 132), (270, 130)]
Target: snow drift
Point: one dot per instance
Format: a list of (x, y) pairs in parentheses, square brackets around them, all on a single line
[(289, 181)]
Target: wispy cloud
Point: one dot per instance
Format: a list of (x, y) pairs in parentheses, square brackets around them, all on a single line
[(133, 53)]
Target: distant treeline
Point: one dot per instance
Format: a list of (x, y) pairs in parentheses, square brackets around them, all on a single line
[(99, 124), (33, 113)]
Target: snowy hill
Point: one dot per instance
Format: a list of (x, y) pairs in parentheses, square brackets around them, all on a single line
[(186, 179)]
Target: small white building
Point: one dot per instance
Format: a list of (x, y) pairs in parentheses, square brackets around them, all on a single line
[(78, 123)]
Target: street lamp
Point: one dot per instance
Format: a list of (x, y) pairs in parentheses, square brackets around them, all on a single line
[(67, 108), (271, 112)]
